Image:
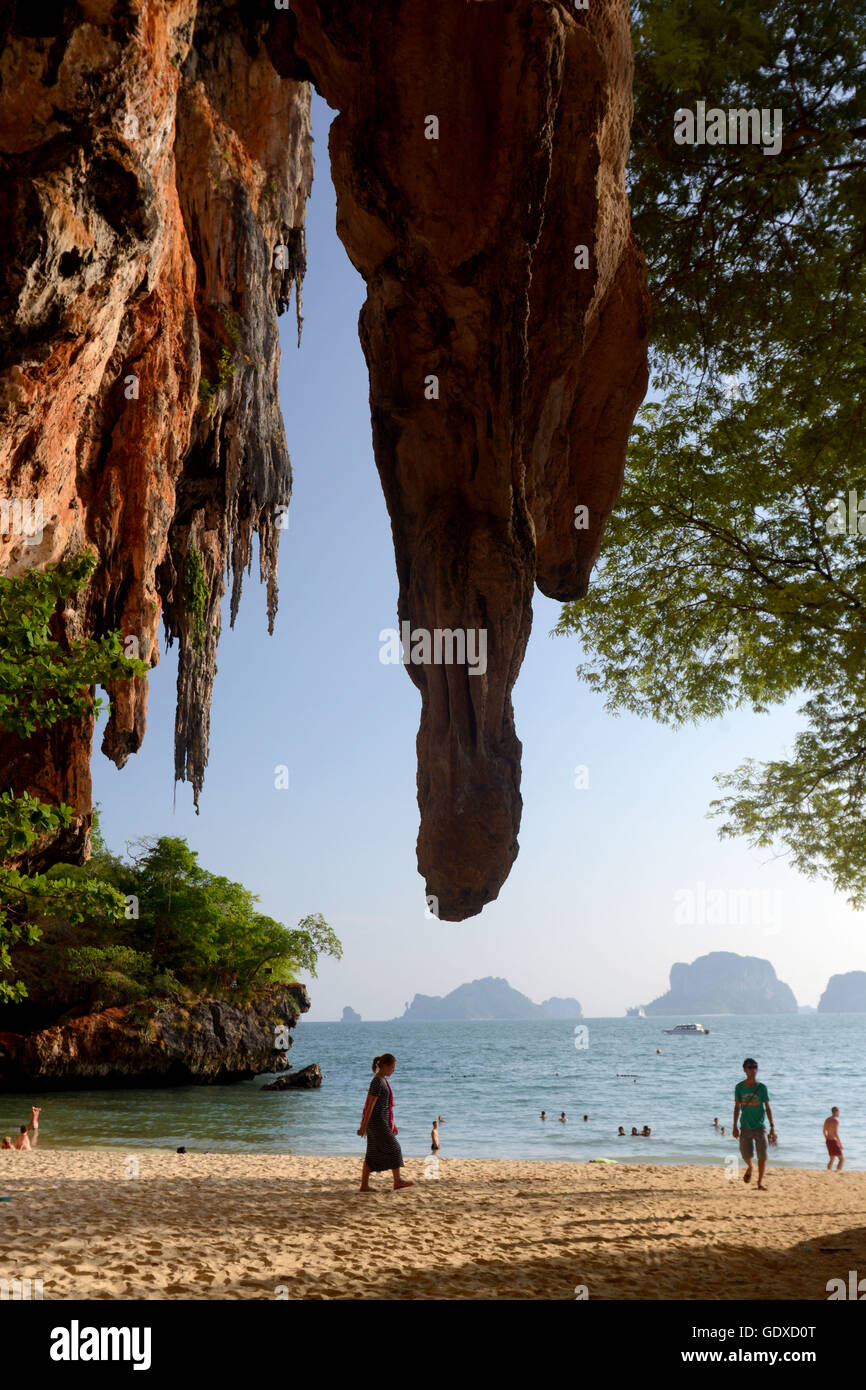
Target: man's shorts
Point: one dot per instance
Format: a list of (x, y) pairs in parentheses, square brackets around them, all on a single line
[(834, 1148), (751, 1141)]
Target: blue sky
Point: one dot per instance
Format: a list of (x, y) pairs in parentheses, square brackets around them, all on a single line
[(590, 907)]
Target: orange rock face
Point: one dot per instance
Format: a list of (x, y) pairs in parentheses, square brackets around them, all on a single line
[(479, 160), (153, 162)]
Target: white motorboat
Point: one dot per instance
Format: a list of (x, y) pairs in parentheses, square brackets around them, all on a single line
[(687, 1030)]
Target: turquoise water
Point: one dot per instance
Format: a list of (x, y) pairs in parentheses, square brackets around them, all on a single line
[(491, 1080)]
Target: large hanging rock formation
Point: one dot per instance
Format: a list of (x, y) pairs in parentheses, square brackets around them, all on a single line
[(479, 161), (467, 242)]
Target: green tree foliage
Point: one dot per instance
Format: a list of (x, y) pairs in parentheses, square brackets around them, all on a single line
[(748, 251), (728, 576), (41, 683), (114, 974), (195, 928), (313, 938)]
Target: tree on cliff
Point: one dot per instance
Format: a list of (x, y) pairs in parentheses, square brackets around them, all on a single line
[(734, 568), (193, 927), (42, 683)]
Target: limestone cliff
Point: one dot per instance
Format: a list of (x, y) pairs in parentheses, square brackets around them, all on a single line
[(153, 164), (157, 153), (211, 1041), (845, 994)]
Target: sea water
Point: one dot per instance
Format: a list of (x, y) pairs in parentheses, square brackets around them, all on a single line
[(490, 1081)]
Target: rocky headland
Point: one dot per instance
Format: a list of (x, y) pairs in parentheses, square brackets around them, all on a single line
[(210, 1041)]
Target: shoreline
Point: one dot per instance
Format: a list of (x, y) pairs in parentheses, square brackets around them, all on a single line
[(92, 1224), (253, 1152)]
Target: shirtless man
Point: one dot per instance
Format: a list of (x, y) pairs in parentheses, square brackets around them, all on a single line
[(22, 1142), (34, 1123), (834, 1143)]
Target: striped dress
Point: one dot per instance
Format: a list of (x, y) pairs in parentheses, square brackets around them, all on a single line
[(383, 1151)]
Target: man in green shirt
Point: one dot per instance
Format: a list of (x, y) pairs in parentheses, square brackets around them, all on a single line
[(751, 1099)]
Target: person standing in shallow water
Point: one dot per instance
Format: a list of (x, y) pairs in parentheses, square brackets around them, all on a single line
[(377, 1126), (831, 1137)]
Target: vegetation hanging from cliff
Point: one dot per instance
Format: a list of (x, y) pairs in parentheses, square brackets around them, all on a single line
[(733, 571), (42, 683), (196, 596)]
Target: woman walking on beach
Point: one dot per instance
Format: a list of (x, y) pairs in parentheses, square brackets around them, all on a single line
[(377, 1125)]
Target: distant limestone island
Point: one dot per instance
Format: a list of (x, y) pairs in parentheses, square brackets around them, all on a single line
[(485, 1000), (720, 982), (724, 983), (845, 994)]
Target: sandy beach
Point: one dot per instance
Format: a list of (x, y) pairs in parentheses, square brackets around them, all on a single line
[(228, 1226)]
